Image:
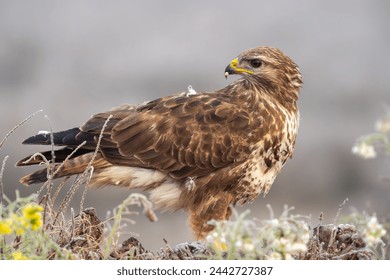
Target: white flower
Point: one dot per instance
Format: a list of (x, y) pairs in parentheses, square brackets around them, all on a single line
[(305, 237), (209, 238), (238, 244), (284, 241), (298, 247), (373, 223), (374, 232), (364, 150), (248, 247), (275, 256), (383, 125)]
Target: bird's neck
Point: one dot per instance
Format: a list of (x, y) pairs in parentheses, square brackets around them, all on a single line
[(285, 93)]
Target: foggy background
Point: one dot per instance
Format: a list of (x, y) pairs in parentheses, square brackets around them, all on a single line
[(76, 58)]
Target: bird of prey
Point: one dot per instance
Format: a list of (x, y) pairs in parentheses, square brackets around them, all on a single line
[(197, 151)]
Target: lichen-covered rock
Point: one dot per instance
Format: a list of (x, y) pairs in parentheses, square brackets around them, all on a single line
[(342, 242), (83, 235)]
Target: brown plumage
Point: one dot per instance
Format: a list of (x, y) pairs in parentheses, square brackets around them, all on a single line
[(199, 152)]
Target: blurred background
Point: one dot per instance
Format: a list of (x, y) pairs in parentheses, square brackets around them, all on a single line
[(76, 58)]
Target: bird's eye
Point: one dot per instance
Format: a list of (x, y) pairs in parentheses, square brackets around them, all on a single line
[(256, 63)]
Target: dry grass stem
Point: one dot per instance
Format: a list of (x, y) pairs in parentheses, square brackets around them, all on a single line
[(339, 210), (140, 199), (86, 188), (5, 159), (59, 188), (1, 184), (53, 156), (68, 157), (69, 195), (89, 170), (51, 165), (17, 126)]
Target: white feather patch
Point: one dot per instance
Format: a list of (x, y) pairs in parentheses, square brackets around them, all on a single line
[(166, 196), (190, 184), (131, 177), (164, 191)]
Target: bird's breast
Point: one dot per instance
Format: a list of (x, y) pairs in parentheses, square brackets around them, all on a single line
[(269, 155)]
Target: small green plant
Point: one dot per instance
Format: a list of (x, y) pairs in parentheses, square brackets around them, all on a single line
[(368, 146), (273, 238), (122, 214)]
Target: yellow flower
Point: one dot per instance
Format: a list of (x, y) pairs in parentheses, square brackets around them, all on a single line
[(220, 245), (32, 211), (36, 223), (18, 256), (32, 215), (5, 227)]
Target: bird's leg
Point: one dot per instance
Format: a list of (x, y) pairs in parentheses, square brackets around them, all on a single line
[(200, 216)]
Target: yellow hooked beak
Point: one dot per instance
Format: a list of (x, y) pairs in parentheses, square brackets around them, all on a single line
[(233, 69)]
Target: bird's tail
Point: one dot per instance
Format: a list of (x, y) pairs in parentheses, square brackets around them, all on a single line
[(65, 167)]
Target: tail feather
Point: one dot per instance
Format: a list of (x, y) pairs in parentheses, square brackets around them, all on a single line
[(76, 165), (71, 138), (60, 156), (34, 178), (59, 138)]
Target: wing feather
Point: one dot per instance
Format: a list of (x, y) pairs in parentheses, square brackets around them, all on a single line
[(185, 135)]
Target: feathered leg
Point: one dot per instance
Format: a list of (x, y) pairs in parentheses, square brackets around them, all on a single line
[(201, 215)]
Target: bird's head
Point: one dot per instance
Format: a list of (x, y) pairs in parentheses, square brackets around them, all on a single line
[(267, 63)]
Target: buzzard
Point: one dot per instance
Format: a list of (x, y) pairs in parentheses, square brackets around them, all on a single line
[(197, 151)]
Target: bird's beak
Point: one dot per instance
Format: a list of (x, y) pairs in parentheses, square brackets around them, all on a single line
[(231, 68)]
